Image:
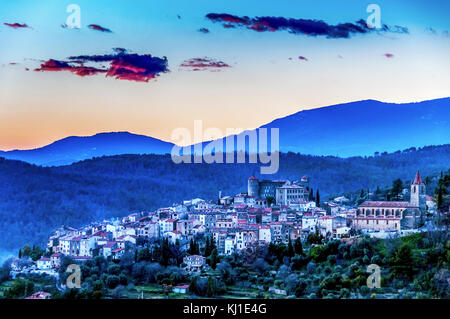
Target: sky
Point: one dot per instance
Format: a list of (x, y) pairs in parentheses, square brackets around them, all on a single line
[(232, 64)]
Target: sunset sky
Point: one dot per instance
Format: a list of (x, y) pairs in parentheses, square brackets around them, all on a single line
[(230, 73)]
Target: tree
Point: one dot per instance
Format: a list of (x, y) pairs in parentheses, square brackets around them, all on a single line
[(194, 248), (112, 281), (290, 248), (226, 272), (209, 243), (211, 287), (21, 288), (397, 188), (362, 194), (164, 252), (36, 253), (260, 265), (26, 252), (143, 255), (270, 200), (311, 194), (213, 259), (298, 247), (402, 261), (317, 198)]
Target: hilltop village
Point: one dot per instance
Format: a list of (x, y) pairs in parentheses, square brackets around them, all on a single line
[(272, 211)]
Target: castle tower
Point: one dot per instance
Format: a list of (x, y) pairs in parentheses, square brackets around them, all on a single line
[(418, 196), (253, 186)]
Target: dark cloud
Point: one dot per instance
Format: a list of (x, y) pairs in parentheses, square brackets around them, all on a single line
[(16, 25), (98, 28), (122, 65), (202, 64), (203, 30), (56, 66), (299, 26)]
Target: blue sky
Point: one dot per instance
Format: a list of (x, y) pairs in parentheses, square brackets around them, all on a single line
[(265, 80)]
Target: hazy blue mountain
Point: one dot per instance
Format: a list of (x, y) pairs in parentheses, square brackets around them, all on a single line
[(358, 128), (365, 127), (344, 130), (75, 148)]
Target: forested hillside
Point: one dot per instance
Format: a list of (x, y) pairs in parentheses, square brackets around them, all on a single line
[(34, 200)]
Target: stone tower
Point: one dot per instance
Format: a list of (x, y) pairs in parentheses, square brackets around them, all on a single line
[(253, 186), (418, 196)]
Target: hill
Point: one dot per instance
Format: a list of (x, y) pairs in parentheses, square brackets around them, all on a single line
[(76, 148), (34, 200)]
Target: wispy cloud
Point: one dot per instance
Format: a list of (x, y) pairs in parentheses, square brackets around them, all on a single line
[(16, 25), (306, 27), (203, 30), (98, 28), (203, 64)]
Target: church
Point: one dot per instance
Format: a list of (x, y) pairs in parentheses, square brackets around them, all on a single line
[(398, 215)]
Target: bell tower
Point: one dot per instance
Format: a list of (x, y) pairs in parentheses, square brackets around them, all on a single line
[(418, 196)]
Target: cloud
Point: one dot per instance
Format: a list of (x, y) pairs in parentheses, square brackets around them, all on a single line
[(56, 66), (98, 28), (16, 25), (122, 65), (306, 27), (388, 55), (202, 64), (203, 30)]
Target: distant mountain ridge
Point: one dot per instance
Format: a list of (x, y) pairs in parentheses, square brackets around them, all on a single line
[(76, 148), (350, 129)]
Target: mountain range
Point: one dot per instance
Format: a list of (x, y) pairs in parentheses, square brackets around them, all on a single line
[(352, 129)]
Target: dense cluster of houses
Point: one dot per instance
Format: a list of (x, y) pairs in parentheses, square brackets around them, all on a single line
[(270, 212)]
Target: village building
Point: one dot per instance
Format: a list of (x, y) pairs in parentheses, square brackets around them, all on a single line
[(194, 263), (393, 215)]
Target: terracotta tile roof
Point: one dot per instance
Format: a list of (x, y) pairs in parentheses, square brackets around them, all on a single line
[(385, 204)]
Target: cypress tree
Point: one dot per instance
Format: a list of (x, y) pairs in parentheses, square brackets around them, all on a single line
[(290, 250), (317, 198), (298, 247)]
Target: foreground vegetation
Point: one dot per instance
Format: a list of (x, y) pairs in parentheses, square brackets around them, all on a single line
[(415, 266)]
